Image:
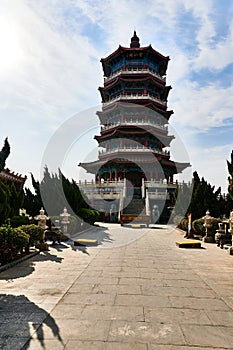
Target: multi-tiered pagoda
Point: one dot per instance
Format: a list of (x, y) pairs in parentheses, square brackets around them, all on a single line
[(134, 117), (131, 133)]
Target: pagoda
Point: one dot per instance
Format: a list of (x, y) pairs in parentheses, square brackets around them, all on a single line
[(134, 117), (134, 134)]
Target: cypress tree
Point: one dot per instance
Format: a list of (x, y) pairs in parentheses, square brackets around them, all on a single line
[(4, 153), (230, 184)]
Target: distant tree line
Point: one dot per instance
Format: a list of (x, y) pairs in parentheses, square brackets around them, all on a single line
[(54, 193), (201, 195), (50, 193), (55, 190)]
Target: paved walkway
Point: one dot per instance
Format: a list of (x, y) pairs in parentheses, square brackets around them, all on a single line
[(146, 295)]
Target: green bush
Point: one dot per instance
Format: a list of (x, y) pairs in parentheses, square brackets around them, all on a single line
[(181, 222), (12, 242), (20, 239), (199, 228), (90, 215), (35, 233), (19, 220)]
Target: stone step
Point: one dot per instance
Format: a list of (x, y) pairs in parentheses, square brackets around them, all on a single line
[(136, 206)]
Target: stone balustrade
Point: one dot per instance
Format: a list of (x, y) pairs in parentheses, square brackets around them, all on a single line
[(125, 97), (135, 123), (134, 71)]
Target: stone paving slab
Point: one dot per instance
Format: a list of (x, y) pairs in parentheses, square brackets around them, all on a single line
[(144, 295)]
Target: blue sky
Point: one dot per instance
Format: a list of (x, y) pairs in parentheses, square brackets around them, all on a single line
[(50, 70)]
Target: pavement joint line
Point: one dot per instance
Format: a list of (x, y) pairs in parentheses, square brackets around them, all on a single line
[(212, 289), (75, 280)]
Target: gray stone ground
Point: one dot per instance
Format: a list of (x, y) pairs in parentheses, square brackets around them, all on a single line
[(146, 295)]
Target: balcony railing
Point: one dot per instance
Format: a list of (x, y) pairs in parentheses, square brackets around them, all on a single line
[(100, 184), (134, 123), (158, 195), (134, 149), (135, 71), (134, 97)]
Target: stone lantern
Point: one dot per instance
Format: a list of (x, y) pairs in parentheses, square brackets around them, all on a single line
[(65, 221), (208, 238)]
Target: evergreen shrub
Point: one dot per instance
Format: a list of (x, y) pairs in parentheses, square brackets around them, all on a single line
[(90, 215), (181, 222), (12, 242), (35, 233), (199, 228), (19, 220)]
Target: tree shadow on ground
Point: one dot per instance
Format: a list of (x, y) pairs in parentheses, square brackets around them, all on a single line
[(27, 267), (20, 319), (99, 233), (69, 244)]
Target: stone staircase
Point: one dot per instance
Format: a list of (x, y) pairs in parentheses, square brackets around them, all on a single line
[(137, 204), (135, 207), (135, 211)]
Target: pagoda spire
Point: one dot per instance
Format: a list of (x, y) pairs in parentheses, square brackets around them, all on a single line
[(135, 41)]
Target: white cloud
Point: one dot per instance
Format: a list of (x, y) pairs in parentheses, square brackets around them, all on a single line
[(217, 56), (51, 76), (214, 52), (202, 107), (202, 10)]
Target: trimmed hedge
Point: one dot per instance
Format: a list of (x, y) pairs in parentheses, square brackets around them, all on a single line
[(19, 220), (181, 222), (35, 233), (13, 241), (199, 228), (90, 215)]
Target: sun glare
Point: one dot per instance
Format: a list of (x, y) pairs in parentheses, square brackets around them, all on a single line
[(10, 49)]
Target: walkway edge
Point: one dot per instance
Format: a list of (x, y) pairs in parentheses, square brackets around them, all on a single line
[(17, 261)]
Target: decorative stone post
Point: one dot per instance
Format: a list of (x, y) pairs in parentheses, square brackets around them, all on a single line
[(147, 204), (65, 221), (231, 232), (208, 225)]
